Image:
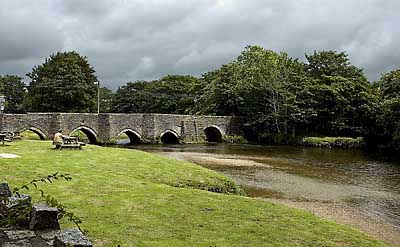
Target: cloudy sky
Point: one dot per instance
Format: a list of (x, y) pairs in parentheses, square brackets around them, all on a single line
[(128, 40)]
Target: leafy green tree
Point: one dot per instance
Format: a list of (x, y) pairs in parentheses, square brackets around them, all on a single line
[(389, 115), (14, 90), (170, 94), (131, 98), (218, 92), (332, 63), (106, 99), (344, 99), (65, 82), (269, 89), (277, 93)]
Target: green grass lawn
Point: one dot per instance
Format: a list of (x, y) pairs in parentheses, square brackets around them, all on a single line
[(29, 135), (132, 198)]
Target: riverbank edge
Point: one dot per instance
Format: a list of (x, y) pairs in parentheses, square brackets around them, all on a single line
[(37, 157)]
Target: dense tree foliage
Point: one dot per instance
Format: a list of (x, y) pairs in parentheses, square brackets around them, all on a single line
[(343, 98), (388, 88), (106, 99), (14, 90), (170, 94), (65, 82)]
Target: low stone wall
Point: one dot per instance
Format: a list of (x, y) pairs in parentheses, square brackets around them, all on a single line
[(43, 228)]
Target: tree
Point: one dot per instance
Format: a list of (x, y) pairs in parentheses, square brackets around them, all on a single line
[(14, 90), (171, 94), (131, 98), (269, 89), (344, 99), (332, 63), (389, 115), (65, 82), (106, 99), (218, 92)]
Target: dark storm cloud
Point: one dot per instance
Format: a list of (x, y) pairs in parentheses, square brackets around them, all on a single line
[(146, 39)]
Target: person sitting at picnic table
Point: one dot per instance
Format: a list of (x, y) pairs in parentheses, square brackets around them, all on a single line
[(58, 139)]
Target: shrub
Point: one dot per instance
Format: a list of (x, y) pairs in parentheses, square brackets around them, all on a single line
[(234, 139), (333, 142)]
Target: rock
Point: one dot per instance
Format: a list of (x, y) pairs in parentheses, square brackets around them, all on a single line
[(17, 235), (44, 217), (20, 243), (19, 200), (5, 190), (3, 237), (71, 237), (49, 237)]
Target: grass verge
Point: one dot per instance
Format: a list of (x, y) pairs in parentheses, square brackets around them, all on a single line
[(132, 198)]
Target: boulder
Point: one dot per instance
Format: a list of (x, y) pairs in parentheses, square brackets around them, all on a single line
[(5, 190), (71, 237), (44, 217)]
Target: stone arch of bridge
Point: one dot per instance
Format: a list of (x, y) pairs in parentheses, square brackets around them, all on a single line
[(134, 136), (214, 133), (169, 137), (35, 130), (89, 132)]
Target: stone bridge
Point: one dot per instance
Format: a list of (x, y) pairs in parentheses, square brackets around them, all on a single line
[(140, 128)]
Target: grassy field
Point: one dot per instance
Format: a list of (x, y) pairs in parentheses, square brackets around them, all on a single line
[(132, 198)]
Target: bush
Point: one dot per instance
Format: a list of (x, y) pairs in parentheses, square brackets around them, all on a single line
[(333, 142), (234, 139)]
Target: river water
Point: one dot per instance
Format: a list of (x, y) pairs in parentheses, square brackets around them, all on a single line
[(351, 178)]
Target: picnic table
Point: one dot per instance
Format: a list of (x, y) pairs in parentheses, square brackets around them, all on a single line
[(71, 142), (6, 136)]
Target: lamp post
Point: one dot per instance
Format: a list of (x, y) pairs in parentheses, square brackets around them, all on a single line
[(98, 96), (2, 103)]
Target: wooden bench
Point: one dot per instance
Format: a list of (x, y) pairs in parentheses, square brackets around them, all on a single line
[(71, 142)]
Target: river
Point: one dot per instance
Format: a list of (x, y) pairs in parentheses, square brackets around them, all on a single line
[(348, 186)]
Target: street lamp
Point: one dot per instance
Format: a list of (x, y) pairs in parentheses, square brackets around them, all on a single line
[(98, 96)]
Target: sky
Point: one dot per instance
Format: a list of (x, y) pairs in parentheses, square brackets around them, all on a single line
[(129, 40)]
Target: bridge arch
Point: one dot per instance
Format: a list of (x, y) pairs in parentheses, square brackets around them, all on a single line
[(134, 136), (89, 132), (214, 133), (37, 131), (169, 137)]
